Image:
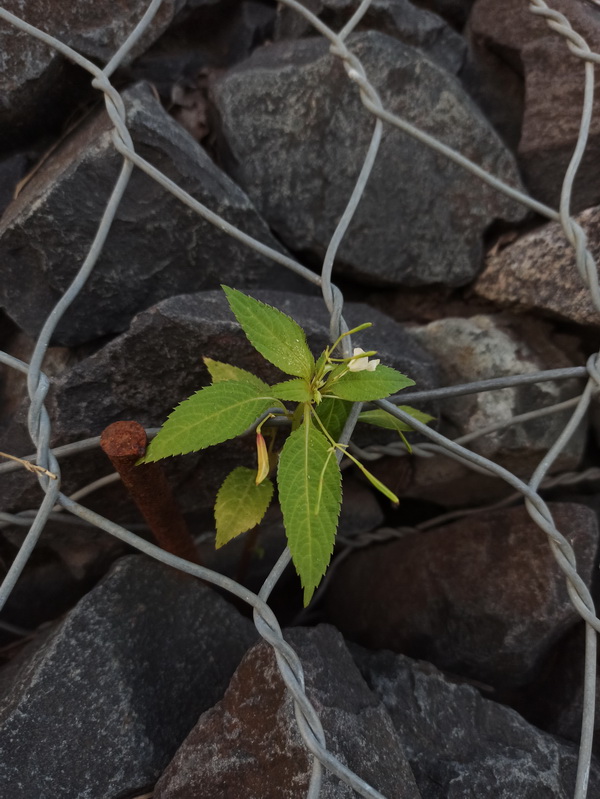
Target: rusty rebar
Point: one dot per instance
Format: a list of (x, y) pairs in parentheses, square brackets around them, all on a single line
[(124, 443)]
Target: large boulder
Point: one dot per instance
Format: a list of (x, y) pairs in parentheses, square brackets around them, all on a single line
[(249, 744), (482, 597), (294, 136), (99, 706), (461, 745), (157, 247)]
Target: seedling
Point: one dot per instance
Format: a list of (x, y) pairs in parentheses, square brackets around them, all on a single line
[(308, 473)]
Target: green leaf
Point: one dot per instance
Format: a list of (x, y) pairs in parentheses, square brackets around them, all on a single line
[(240, 504), (333, 413), (379, 418), (308, 478), (221, 372), (296, 390), (277, 337), (212, 415), (365, 386)]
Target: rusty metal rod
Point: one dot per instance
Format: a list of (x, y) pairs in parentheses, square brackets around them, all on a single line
[(124, 443)]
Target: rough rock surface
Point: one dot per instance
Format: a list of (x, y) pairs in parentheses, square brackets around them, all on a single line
[(294, 136), (538, 273), (249, 745), (59, 209), (461, 745), (554, 79), (399, 18), (101, 706), (482, 597), (35, 80), (144, 373), (489, 346)]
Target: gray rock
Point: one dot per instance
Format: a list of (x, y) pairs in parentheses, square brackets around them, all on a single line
[(294, 136), (99, 708), (37, 84), (144, 373), (461, 745), (489, 346), (538, 273), (249, 745), (482, 597), (522, 42), (398, 18), (157, 247)]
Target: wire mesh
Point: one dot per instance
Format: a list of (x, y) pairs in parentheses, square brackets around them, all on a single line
[(56, 503)]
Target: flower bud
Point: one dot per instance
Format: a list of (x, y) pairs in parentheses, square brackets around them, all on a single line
[(263, 458)]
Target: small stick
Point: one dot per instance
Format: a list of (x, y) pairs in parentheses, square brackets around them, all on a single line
[(31, 467), (124, 443)]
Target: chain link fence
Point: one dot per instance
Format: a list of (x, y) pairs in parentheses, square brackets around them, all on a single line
[(265, 621)]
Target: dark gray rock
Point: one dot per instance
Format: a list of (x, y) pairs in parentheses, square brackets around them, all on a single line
[(521, 42), (461, 745), (482, 597), (294, 136), (37, 84), (157, 247), (144, 373), (538, 273), (99, 708), (249, 745), (398, 18)]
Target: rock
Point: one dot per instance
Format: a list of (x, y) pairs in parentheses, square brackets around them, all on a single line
[(460, 744), (249, 745), (157, 363), (38, 85), (99, 708), (554, 84), (157, 247), (538, 273), (482, 597), (489, 346), (298, 160), (398, 18)]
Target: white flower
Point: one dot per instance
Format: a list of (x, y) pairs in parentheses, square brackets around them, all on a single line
[(362, 364)]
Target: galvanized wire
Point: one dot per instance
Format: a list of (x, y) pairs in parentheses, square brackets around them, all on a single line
[(37, 383)]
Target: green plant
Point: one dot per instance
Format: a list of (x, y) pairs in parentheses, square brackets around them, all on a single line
[(308, 473)]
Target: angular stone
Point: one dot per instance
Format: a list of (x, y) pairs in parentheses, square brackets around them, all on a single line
[(144, 373), (157, 247), (36, 81), (294, 136), (99, 708), (538, 273), (461, 745), (482, 597), (489, 346), (398, 18), (554, 84), (249, 744)]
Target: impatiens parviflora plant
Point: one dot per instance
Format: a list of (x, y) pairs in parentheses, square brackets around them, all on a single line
[(308, 472)]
